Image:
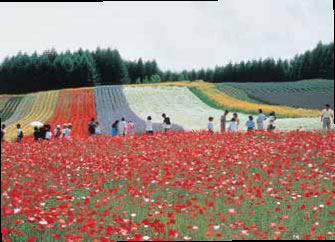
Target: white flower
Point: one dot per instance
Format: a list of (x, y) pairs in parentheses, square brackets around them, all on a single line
[(146, 238), (17, 210), (187, 238), (43, 222), (133, 215), (216, 227)]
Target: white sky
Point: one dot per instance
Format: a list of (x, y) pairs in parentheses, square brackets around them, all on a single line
[(177, 34)]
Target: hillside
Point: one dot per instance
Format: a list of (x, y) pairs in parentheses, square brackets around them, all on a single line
[(187, 109)]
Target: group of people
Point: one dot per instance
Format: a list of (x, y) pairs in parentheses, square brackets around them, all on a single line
[(127, 128), (234, 123)]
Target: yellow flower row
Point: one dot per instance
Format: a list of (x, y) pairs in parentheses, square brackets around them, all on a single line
[(221, 98), (42, 110)]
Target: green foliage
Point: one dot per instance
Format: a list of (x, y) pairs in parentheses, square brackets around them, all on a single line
[(50, 70)]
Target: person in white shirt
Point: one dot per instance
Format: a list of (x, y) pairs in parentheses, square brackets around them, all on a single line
[(327, 116), (19, 133), (97, 128), (123, 127), (272, 120), (48, 135), (233, 126), (149, 126), (64, 131), (211, 125), (261, 118)]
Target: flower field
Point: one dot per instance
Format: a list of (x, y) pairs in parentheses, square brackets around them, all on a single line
[(312, 94), (112, 105), (225, 101), (77, 107), (9, 107), (189, 105), (22, 109), (40, 107), (176, 186)]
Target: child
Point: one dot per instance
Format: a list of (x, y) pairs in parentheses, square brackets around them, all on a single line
[(149, 126), (19, 133), (250, 123), (3, 132), (272, 120), (211, 125), (130, 128), (233, 127), (123, 127)]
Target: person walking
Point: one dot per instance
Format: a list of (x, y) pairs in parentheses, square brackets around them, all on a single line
[(97, 128), (92, 127), (166, 126), (233, 126), (123, 127), (211, 125), (327, 116), (115, 126), (272, 120), (224, 121), (57, 132), (130, 128), (36, 134), (19, 133), (261, 118), (3, 132), (237, 119), (149, 126)]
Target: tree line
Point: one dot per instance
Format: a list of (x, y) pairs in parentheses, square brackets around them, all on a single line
[(50, 70)]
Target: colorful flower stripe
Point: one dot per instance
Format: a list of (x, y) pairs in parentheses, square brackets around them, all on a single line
[(10, 108), (42, 110), (112, 104), (3, 101), (183, 108), (216, 95), (186, 110), (23, 109), (77, 107)]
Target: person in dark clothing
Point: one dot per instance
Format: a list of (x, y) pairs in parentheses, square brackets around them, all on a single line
[(92, 127), (3, 132), (37, 134), (166, 123)]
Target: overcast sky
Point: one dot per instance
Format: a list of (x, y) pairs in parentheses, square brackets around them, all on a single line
[(177, 34)]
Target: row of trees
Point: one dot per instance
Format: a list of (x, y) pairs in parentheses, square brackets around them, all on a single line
[(25, 73)]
